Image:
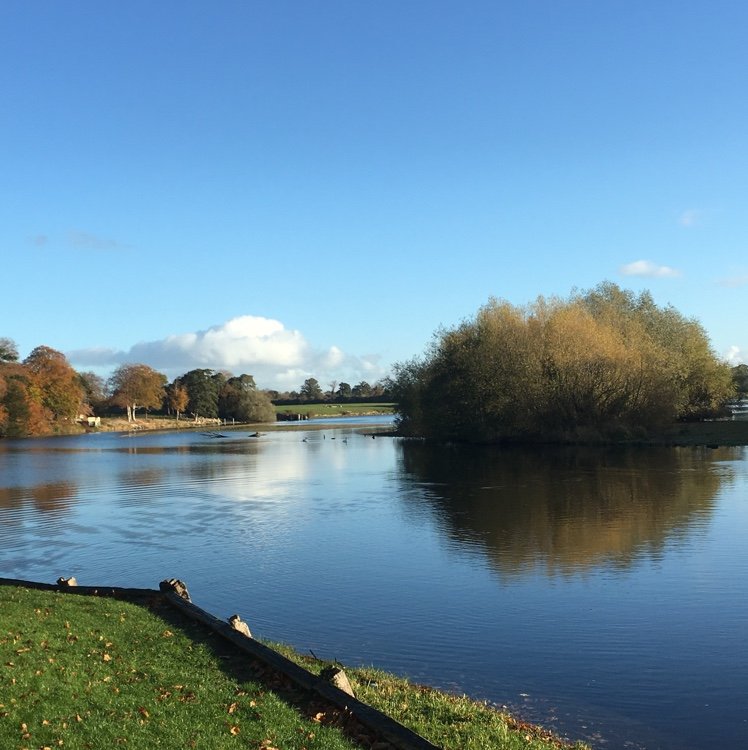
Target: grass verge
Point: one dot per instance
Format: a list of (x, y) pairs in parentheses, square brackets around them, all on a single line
[(450, 721), (335, 410), (89, 672)]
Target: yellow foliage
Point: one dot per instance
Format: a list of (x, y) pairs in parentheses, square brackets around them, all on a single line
[(606, 360)]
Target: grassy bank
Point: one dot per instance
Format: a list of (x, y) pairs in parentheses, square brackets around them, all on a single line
[(158, 422), (334, 410), (89, 672)]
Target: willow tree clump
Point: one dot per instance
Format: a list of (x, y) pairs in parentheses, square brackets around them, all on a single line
[(600, 363)]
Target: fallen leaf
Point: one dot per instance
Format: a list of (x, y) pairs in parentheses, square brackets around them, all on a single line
[(234, 730), (233, 707), (143, 712), (106, 657)]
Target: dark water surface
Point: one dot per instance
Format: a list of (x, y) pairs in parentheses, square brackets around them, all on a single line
[(600, 592)]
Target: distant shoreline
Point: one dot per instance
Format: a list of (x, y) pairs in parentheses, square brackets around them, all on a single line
[(711, 434), (717, 434)]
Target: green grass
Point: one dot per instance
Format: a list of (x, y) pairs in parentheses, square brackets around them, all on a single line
[(335, 410), (455, 722), (89, 672), (85, 672)]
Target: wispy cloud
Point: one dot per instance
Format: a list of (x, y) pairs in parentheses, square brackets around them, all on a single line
[(88, 241), (39, 240), (276, 356), (649, 269)]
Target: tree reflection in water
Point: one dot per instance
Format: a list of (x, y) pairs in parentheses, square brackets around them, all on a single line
[(564, 509), (52, 497)]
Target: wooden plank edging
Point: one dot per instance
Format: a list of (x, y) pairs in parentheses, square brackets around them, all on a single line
[(385, 726), (114, 592)]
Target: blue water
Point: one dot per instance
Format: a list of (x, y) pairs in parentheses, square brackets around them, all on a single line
[(602, 593)]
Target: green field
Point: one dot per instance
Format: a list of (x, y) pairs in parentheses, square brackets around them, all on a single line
[(335, 410)]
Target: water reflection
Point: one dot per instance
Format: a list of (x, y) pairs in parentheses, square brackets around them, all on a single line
[(403, 542), (53, 497), (564, 510)]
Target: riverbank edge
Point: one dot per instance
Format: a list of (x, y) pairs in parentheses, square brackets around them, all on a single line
[(165, 424), (174, 594), (715, 434), (390, 732)]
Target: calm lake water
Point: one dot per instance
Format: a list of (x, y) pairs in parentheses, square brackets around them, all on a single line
[(603, 593)]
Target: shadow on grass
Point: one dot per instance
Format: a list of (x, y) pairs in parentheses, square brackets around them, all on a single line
[(242, 667)]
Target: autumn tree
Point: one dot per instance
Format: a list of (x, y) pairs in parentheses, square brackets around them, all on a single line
[(177, 397), (606, 362), (58, 384), (136, 386), (22, 413)]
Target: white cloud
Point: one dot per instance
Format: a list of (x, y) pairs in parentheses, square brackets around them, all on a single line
[(276, 356), (647, 268), (736, 356)]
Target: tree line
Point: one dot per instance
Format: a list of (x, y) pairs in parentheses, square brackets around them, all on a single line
[(311, 391), (43, 394), (601, 363)]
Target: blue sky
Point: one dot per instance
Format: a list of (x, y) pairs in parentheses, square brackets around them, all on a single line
[(296, 189)]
